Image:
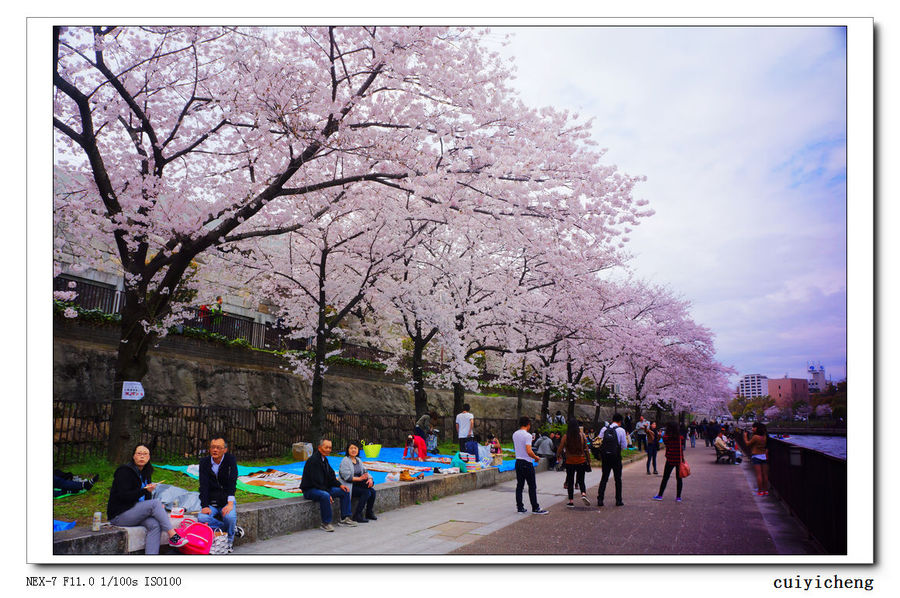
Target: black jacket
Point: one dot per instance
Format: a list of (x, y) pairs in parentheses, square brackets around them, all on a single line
[(215, 489), (128, 488), (317, 473)]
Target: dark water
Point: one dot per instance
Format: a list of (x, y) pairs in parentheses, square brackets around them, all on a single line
[(836, 446)]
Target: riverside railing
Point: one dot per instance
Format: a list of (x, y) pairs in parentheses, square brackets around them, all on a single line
[(81, 430), (814, 487)]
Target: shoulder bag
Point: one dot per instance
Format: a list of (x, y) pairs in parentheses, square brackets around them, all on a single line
[(684, 470)]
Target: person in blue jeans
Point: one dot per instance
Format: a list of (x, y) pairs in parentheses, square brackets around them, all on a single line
[(218, 481), (321, 485)]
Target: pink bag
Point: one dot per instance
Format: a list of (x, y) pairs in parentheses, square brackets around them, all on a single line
[(199, 536)]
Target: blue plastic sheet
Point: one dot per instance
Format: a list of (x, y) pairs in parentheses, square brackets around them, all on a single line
[(59, 526)]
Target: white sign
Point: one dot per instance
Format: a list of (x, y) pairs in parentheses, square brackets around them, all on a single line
[(132, 391)]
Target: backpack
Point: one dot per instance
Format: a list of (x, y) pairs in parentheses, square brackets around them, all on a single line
[(200, 537), (609, 446)]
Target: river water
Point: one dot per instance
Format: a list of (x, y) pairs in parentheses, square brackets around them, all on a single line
[(836, 446)]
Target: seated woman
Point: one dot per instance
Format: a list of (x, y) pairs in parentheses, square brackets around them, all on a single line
[(353, 473), (494, 444), (131, 503)]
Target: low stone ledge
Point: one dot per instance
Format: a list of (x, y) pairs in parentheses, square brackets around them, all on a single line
[(270, 518)]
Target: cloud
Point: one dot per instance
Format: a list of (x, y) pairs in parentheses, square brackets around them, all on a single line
[(741, 133)]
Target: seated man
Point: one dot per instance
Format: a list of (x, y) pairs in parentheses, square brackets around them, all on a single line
[(722, 449), (415, 444), (321, 485), (543, 447), (218, 480)]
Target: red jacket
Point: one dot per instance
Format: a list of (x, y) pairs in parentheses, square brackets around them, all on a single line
[(420, 447)]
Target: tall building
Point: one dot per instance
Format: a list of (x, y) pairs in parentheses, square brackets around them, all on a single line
[(753, 385), (786, 391), (817, 382)]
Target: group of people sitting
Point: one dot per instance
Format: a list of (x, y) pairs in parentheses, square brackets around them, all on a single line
[(131, 501)]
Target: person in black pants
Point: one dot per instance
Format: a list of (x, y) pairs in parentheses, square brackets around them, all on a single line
[(525, 458), (614, 440)]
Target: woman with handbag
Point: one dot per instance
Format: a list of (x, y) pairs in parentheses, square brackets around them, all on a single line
[(652, 447), (674, 459), (576, 447)]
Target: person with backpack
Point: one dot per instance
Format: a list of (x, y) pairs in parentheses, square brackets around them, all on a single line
[(575, 445), (131, 502), (614, 441)]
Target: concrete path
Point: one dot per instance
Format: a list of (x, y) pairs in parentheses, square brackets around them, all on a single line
[(720, 515)]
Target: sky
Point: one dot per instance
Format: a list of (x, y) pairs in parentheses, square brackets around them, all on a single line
[(741, 133)]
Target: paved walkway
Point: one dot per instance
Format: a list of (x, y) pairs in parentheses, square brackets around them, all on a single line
[(720, 515)]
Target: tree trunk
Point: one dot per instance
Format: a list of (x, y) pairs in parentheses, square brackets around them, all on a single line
[(459, 397), (545, 401), (131, 366), (570, 399), (418, 375), (317, 421)]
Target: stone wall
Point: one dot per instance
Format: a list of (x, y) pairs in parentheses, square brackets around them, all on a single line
[(187, 371)]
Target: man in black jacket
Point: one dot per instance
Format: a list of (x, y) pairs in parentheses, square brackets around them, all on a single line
[(218, 481), (321, 485)]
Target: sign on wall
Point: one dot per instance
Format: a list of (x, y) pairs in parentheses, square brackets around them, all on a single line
[(132, 391)]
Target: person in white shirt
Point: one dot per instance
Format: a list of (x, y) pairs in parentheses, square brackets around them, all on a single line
[(525, 458), (611, 454), (465, 427)]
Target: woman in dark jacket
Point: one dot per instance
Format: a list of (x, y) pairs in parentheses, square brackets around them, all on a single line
[(131, 503), (674, 455)]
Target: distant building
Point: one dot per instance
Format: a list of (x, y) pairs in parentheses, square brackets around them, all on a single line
[(787, 391), (753, 385), (817, 382)]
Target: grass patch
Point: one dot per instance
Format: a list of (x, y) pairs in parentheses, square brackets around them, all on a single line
[(81, 507)]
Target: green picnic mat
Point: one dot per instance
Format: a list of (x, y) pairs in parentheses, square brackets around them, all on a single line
[(242, 470)]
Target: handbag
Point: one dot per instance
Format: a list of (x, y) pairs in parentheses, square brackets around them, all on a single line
[(587, 455), (684, 470)]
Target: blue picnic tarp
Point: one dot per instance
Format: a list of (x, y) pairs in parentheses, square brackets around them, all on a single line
[(392, 455)]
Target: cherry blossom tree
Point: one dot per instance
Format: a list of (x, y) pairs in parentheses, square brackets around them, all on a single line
[(184, 139)]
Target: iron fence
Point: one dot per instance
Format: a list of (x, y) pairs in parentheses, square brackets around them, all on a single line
[(814, 487), (81, 429)]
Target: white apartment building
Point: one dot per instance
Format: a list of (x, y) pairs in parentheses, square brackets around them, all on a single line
[(817, 382), (753, 385)]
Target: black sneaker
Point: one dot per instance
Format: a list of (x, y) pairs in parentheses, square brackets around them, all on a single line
[(371, 517), (523, 510), (570, 505), (238, 531), (539, 512), (177, 541)]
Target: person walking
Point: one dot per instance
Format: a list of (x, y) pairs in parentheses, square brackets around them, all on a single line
[(652, 447), (525, 459), (576, 447), (756, 444), (614, 441), (674, 456)]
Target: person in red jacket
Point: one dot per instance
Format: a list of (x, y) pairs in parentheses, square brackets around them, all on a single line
[(415, 444)]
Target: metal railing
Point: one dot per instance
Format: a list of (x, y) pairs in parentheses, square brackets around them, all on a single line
[(81, 429), (814, 486), (258, 334)]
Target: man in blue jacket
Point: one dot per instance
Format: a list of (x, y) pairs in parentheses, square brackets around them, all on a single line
[(218, 481)]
